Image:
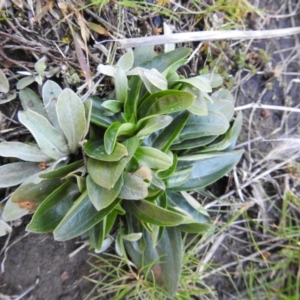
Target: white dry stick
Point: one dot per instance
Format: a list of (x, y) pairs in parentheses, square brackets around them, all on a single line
[(206, 36), (270, 107)]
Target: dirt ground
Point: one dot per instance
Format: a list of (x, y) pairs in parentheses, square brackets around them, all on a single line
[(38, 263)]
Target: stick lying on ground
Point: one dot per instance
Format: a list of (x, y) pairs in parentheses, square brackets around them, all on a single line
[(205, 36)]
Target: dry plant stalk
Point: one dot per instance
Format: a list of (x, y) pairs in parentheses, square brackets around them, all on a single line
[(206, 36)]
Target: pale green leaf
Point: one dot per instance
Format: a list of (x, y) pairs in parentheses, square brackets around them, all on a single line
[(23, 151), (102, 197), (134, 187), (199, 107), (12, 211), (106, 174), (132, 237), (215, 123), (153, 124), (153, 158), (30, 100), (106, 70), (215, 80), (40, 65), (121, 85), (16, 173), (71, 116), (143, 54), (126, 60), (112, 105), (200, 83), (152, 79), (4, 84), (48, 138), (24, 82), (50, 92)]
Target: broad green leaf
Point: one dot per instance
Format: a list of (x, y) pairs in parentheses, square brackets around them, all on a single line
[(40, 65), (112, 105), (12, 211), (223, 94), (134, 187), (71, 117), (171, 70), (193, 157), (98, 118), (106, 174), (102, 197), (48, 138), (23, 151), (198, 126), (199, 107), (32, 192), (153, 158), (167, 173), (116, 129), (62, 171), (81, 181), (95, 149), (215, 80), (24, 82), (197, 218), (200, 83), (194, 143), (165, 102), (16, 173), (126, 60), (153, 124), (153, 214), (132, 237), (4, 84), (162, 62), (223, 142), (110, 137), (96, 235), (30, 100), (153, 80), (80, 218), (224, 107), (88, 113), (178, 178), (50, 92), (4, 227), (53, 208), (121, 85), (130, 106), (207, 171), (171, 132), (99, 232), (143, 54), (165, 258), (236, 129)]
